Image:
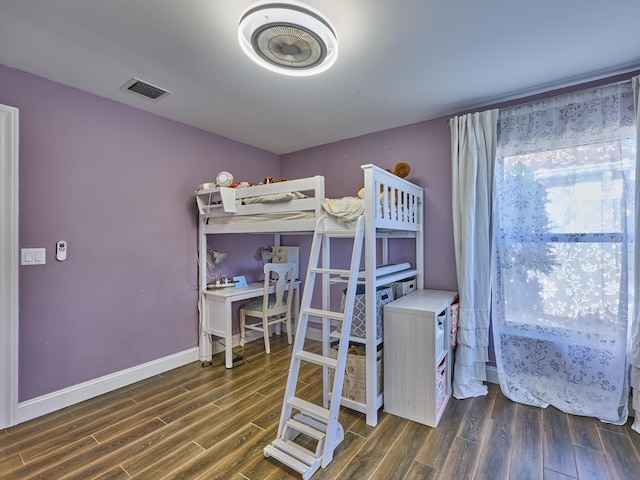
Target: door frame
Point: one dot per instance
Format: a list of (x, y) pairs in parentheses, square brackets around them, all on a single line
[(9, 265)]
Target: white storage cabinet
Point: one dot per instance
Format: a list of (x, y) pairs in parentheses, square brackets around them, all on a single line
[(418, 359)]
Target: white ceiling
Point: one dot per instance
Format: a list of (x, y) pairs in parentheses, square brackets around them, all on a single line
[(399, 62)]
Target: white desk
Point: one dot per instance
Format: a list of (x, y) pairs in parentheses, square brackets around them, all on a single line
[(217, 315)]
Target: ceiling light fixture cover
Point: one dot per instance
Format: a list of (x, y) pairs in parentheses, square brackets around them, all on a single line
[(288, 37)]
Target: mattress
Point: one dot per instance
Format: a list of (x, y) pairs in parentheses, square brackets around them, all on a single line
[(261, 217)]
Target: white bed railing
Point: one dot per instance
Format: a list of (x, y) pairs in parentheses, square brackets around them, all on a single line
[(396, 203), (210, 201), (391, 203)]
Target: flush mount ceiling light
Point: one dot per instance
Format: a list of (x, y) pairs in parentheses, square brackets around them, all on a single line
[(288, 37)]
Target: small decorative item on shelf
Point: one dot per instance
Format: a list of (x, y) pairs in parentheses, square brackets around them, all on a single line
[(213, 257), (207, 186), (455, 313), (224, 179), (221, 282)]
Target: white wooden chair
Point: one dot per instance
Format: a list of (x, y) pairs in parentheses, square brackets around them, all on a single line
[(273, 308)]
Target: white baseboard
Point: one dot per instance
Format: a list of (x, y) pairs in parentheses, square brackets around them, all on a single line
[(254, 335), (492, 374), (251, 336), (51, 402), (314, 334)]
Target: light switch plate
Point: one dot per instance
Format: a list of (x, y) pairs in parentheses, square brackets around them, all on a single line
[(33, 256)]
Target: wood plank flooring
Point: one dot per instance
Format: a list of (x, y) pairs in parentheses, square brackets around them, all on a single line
[(209, 423)]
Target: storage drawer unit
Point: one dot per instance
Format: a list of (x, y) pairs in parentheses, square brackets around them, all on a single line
[(400, 289), (286, 255), (418, 363)]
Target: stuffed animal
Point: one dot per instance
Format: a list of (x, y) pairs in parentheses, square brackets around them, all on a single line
[(268, 180), (402, 170)]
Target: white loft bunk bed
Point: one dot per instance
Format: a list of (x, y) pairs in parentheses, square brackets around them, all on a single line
[(393, 208), (282, 207)]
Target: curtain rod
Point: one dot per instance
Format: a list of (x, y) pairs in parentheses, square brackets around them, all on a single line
[(628, 80)]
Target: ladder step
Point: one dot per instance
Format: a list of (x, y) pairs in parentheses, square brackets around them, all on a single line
[(289, 460), (296, 451), (330, 232), (331, 271), (306, 429), (317, 359), (310, 409), (324, 313)]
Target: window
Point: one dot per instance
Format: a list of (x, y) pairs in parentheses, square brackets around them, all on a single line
[(563, 222), (566, 217)]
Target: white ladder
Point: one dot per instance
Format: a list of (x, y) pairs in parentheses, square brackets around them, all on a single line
[(314, 423)]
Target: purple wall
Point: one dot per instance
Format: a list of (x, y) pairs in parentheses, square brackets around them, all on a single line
[(426, 146), (118, 185)]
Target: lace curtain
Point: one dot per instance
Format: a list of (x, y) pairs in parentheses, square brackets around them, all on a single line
[(563, 257)]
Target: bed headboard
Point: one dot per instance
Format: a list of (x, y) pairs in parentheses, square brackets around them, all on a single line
[(393, 202)]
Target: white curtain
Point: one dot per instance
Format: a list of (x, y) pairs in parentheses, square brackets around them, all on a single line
[(473, 146), (563, 256), (634, 350)]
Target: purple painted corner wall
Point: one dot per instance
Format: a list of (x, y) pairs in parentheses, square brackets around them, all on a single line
[(426, 146), (117, 184)]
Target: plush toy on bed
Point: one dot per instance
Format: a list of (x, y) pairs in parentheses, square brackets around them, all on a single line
[(269, 180), (402, 170)]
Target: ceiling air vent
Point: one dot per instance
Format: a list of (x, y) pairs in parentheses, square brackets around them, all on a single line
[(145, 89)]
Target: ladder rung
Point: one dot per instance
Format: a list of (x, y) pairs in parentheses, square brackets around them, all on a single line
[(317, 359), (339, 280), (331, 271), (306, 429), (310, 409), (323, 313), (284, 457), (296, 451), (337, 232)]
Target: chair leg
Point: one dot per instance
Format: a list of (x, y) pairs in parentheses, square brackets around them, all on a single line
[(289, 333), (243, 332), (265, 328)]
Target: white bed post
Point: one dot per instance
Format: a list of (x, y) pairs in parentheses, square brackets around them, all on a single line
[(325, 253), (419, 266), (204, 346), (371, 205)]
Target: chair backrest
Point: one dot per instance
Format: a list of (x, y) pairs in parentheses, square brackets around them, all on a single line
[(283, 274)]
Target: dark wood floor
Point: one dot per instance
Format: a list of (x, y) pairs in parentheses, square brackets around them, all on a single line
[(208, 423)]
